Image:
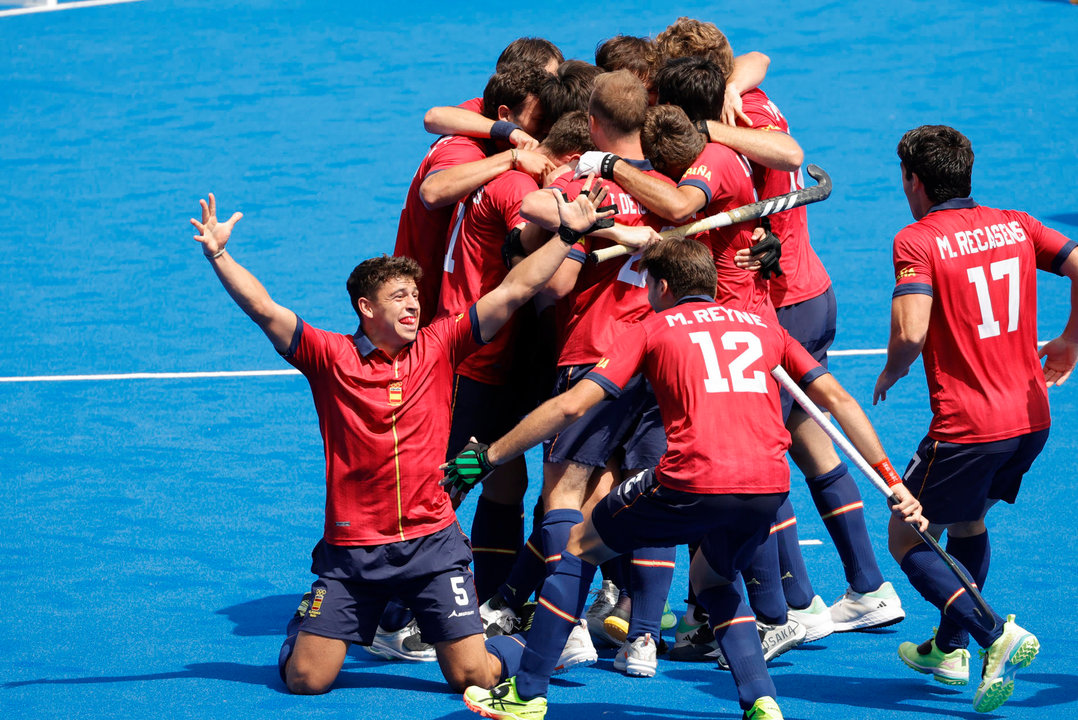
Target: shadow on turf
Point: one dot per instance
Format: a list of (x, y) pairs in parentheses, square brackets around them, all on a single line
[(262, 616)]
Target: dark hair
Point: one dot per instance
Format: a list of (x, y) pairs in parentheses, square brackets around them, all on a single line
[(569, 135), (369, 276), (511, 87), (628, 52), (942, 157), (669, 140), (694, 84), (619, 101), (533, 51), (687, 266), (568, 89)]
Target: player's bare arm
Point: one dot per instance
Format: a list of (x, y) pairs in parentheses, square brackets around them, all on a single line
[(910, 315), (770, 148), (452, 120), (1061, 353), (277, 322), (677, 204), (748, 72), (453, 184), (526, 279), (826, 392)]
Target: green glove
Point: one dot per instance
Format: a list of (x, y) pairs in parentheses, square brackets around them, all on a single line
[(469, 467)]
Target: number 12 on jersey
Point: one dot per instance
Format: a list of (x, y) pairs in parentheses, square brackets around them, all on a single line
[(716, 382)]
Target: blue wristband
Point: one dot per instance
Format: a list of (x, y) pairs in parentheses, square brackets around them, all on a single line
[(502, 129)]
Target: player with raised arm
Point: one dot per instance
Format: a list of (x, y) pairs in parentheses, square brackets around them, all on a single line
[(382, 396), (722, 477), (965, 300), (485, 403), (512, 96)]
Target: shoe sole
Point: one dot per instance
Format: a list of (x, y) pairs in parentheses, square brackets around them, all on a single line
[(1000, 690), (387, 654), (777, 650), (581, 660), (616, 628), (871, 621), (812, 634), (934, 672), (636, 669), (487, 713)]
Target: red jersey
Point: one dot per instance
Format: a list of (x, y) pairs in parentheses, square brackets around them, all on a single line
[(421, 234), (804, 276), (980, 355), (385, 427), (474, 266), (608, 297), (726, 179), (475, 105), (710, 368)]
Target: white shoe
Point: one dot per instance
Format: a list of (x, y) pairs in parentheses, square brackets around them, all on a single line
[(774, 640), (605, 599), (404, 644), (498, 618), (637, 658), (861, 611), (816, 619), (578, 650)]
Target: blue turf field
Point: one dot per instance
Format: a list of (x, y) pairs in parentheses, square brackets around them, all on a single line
[(156, 532)]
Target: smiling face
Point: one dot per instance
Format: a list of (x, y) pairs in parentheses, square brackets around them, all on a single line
[(391, 318)]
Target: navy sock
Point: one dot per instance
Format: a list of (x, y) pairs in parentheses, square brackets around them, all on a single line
[(975, 554), (555, 533), (290, 633), (652, 571), (840, 506), (735, 629), (763, 581), (395, 616), (508, 649), (497, 536), (937, 584), (560, 605), (795, 578), (527, 573)]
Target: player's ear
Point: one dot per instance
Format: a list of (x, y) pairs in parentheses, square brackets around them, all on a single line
[(364, 307), (504, 113)]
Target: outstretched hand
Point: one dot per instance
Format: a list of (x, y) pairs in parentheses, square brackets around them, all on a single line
[(586, 209), (212, 234), (469, 467), (1060, 357)]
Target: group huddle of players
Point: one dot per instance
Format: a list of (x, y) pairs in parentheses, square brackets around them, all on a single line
[(646, 378)]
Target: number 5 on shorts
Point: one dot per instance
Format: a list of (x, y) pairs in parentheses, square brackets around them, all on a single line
[(460, 594)]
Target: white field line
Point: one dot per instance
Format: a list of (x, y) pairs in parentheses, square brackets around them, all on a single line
[(265, 373), (61, 6), (810, 542)]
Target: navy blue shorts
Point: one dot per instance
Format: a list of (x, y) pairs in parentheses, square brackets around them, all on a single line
[(429, 575), (811, 323), (646, 443), (955, 481), (641, 512), (480, 410), (613, 423)]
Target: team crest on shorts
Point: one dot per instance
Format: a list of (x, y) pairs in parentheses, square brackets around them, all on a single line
[(316, 603), (396, 394)]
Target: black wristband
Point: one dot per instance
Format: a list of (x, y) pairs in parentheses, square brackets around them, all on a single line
[(606, 167), (568, 235), (502, 129), (701, 127)]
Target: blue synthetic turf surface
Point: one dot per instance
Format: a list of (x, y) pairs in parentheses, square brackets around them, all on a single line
[(156, 532)]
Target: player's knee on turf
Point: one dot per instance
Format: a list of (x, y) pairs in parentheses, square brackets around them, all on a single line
[(307, 678), (314, 665), (465, 662)]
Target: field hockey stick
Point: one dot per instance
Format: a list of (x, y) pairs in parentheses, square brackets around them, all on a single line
[(820, 191), (981, 607)]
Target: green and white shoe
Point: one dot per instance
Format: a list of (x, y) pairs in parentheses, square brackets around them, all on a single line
[(669, 619), (1013, 650), (764, 708), (951, 668), (503, 703)]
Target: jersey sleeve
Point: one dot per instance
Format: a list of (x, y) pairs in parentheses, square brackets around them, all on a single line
[(798, 363), (475, 105), (458, 336), (763, 114), (311, 349), (1052, 247), (913, 264), (620, 363), (716, 172), (516, 186), (456, 152)]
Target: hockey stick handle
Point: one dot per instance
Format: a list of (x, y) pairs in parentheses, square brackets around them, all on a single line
[(851, 452), (780, 203)]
